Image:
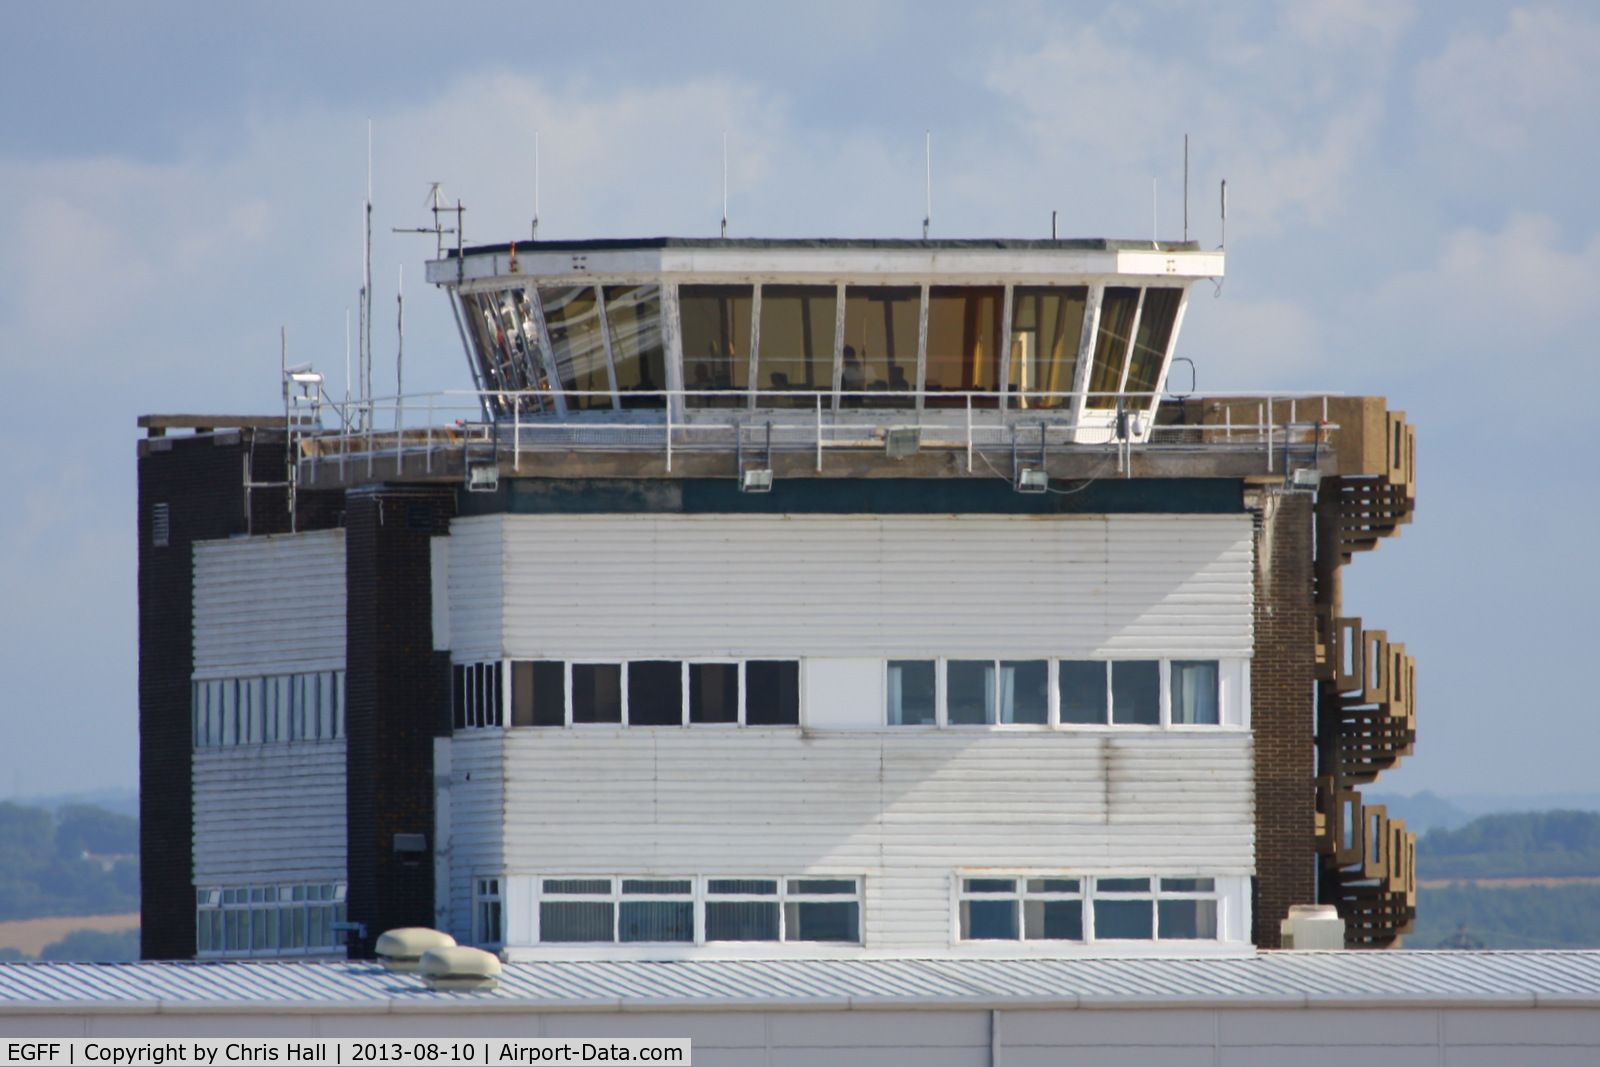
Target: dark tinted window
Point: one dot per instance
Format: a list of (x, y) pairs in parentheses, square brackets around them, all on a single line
[(596, 692), (772, 693), (539, 693), (1136, 692), (713, 692), (655, 693)]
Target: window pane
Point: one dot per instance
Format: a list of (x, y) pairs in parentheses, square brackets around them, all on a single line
[(772, 693), (1122, 885), (1025, 691), (762, 886), (964, 343), (880, 345), (656, 920), (822, 885), (572, 316), (575, 920), (1156, 318), (601, 886), (716, 342), (1111, 344), (1188, 920), (633, 315), (655, 693), (741, 920), (1123, 920), (1046, 326), (1188, 885), (596, 692), (988, 920), (1053, 920), (822, 921), (673, 887), (1136, 692), (1194, 691), (713, 692), (1052, 885), (990, 885), (796, 343), (1082, 683), (911, 692), (969, 692), (538, 693)]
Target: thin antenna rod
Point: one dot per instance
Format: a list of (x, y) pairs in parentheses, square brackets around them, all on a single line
[(347, 366), (1155, 219), (366, 286), (400, 354), (927, 160), (1224, 243), (1052, 225), (724, 183), (1186, 187), (535, 185)]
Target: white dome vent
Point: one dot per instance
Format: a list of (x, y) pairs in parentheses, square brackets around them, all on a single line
[(460, 967), (401, 949)]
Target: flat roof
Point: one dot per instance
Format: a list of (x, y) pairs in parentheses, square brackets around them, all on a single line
[(620, 244), (1490, 979)]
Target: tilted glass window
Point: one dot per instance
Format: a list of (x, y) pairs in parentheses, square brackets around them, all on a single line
[(716, 342), (1118, 307), (964, 344), (1156, 318), (1046, 328), (633, 316), (1194, 697), (880, 346), (572, 317), (796, 345), (912, 692)]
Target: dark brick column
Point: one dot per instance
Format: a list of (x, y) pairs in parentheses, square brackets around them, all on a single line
[(397, 702), (1283, 714), (202, 481)]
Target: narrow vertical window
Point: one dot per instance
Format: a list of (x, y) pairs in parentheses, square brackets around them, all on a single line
[(572, 315), (633, 314), (912, 692), (160, 525), (1117, 310), (772, 693), (488, 929), (1150, 345)]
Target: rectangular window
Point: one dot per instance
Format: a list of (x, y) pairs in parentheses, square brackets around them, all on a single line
[(577, 909), (572, 316), (716, 343), (655, 693), (741, 909), (713, 692), (989, 909), (487, 912), (1186, 909), (880, 346), (796, 345), (912, 692), (160, 525), (476, 699), (1194, 692), (268, 920), (597, 693), (964, 344), (1025, 691), (822, 909), (1117, 309), (1124, 909), (539, 693), (772, 692), (633, 315), (1052, 909), (1156, 319), (1136, 692), (969, 692), (656, 910), (1046, 327)]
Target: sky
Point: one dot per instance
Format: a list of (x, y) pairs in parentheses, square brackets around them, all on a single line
[(1412, 214)]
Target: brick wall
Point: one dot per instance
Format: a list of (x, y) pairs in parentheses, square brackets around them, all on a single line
[(397, 702), (202, 482), (1283, 702)]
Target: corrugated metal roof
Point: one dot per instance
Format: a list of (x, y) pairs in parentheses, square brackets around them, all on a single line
[(1283, 979)]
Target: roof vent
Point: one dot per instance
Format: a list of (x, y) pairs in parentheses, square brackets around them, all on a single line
[(401, 949), (460, 967), (1312, 926)]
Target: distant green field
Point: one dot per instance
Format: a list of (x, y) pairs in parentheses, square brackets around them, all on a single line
[(1566, 916), (1528, 844)]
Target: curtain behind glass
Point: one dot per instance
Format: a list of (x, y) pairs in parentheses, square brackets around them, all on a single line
[(1046, 326), (1194, 692), (964, 344)]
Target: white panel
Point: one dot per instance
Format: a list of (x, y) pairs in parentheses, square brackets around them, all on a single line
[(843, 693), (1233, 677), (439, 560), (266, 605), (517, 908), (265, 813), (477, 815), (568, 586), (441, 833), (904, 809)]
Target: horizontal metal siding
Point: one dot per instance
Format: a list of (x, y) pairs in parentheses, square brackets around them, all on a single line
[(630, 585), (905, 808), (269, 813), (477, 820), (265, 605)]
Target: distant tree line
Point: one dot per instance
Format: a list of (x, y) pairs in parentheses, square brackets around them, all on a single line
[(82, 860), (1529, 844)]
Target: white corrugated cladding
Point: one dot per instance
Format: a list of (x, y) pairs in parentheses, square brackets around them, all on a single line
[(810, 585), (906, 809), (269, 605), (477, 835), (269, 813)]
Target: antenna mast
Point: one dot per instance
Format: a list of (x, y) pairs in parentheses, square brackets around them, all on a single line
[(366, 289), (927, 177), (1186, 187), (1224, 243), (400, 353), (724, 183), (536, 186)]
